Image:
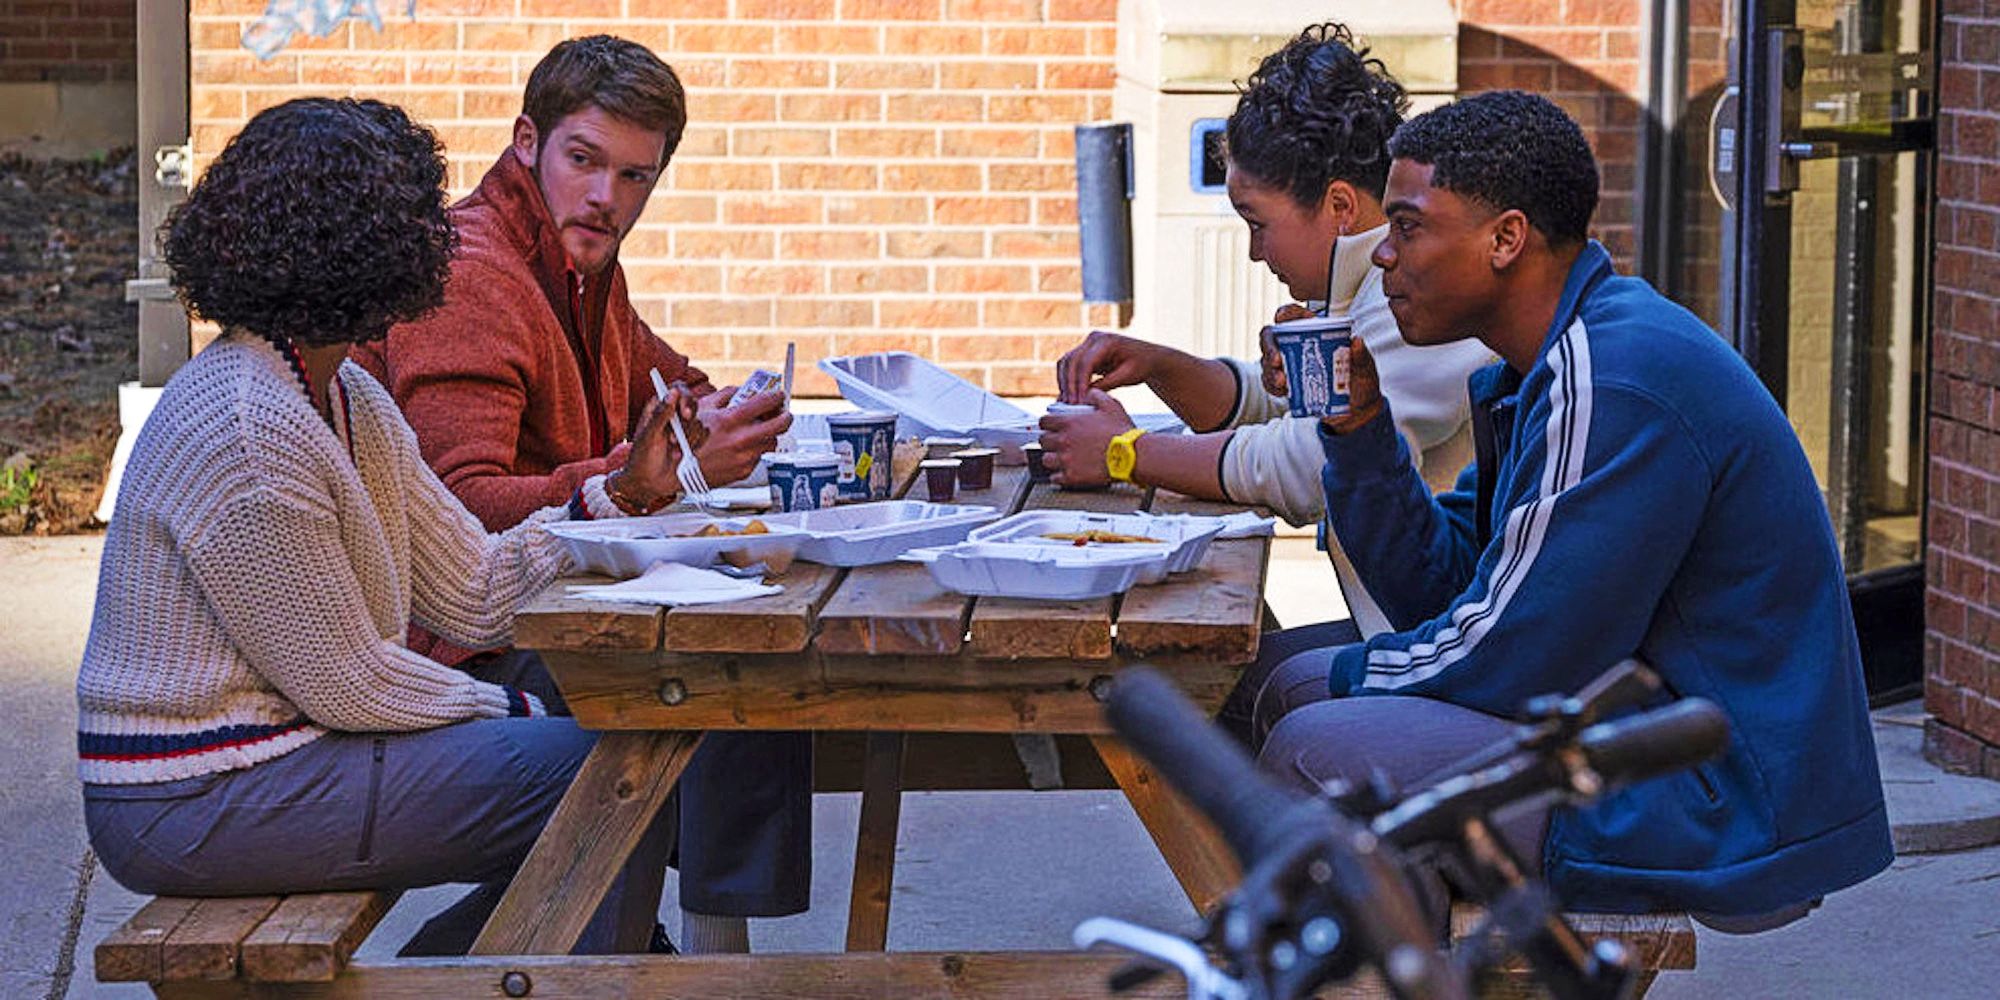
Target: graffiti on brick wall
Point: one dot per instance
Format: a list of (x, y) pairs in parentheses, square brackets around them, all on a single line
[(283, 19)]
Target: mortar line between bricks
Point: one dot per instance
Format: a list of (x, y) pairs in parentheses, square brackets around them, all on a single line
[(66, 955)]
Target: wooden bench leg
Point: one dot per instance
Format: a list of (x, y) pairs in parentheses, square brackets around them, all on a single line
[(875, 846), (1196, 853), (610, 803)]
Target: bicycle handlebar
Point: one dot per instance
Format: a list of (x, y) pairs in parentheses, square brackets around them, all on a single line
[(1657, 742)]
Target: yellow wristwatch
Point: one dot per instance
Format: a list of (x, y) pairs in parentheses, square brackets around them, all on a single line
[(1119, 456)]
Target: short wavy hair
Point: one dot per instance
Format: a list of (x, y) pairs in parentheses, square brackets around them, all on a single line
[(1318, 110), (322, 222), (623, 77), (1509, 149)]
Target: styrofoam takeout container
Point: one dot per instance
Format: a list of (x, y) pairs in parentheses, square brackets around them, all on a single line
[(1008, 569), (929, 399), (1186, 538), (870, 533), (627, 546)]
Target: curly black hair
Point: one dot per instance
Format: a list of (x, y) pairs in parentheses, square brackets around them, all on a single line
[(1317, 111), (322, 222), (1509, 149)]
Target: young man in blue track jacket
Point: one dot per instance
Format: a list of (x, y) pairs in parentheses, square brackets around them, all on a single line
[(1637, 493)]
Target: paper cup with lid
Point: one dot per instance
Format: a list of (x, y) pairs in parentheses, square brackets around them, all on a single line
[(865, 443)]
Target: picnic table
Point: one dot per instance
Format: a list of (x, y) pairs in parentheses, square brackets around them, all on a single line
[(885, 650)]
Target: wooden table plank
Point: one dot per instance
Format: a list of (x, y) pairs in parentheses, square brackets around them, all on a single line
[(309, 938), (1009, 628), (779, 623), (1215, 609), (602, 817), (553, 621), (131, 954), (896, 608), (208, 943)]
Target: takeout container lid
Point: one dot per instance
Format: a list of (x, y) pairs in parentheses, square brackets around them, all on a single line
[(1005, 569)]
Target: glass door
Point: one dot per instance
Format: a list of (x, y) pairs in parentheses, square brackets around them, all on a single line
[(1805, 238)]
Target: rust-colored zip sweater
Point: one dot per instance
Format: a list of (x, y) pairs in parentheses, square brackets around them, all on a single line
[(522, 385)]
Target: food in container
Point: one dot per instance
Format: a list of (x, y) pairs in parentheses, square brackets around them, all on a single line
[(1095, 537), (625, 546), (717, 529), (1186, 536)]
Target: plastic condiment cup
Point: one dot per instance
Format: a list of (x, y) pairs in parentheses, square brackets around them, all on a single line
[(941, 477), (976, 472)]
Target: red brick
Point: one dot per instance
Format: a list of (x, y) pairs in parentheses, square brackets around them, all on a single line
[(798, 314), (1032, 177), (778, 73), (934, 243), (829, 244), (675, 207), (830, 107), (781, 142), (988, 76), (932, 41), (982, 278), (828, 177), (984, 347), (780, 210), (1059, 278), (509, 36), (930, 314), (1083, 10), (1037, 41), (1055, 211), (931, 177), (723, 244), (786, 10), (885, 142), (725, 39), (875, 341), (990, 143), (861, 210), (877, 279), (721, 312), (1022, 380), (993, 10), (1032, 313), (1079, 75), (936, 108), (891, 10), (982, 211), (1952, 749), (775, 279), (884, 75), (718, 175), (1067, 108), (1035, 244), (830, 39)]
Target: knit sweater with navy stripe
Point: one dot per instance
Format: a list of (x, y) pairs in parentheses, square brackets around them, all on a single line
[(263, 566), (1638, 493)]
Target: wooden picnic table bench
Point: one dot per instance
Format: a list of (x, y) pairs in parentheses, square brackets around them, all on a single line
[(880, 650)]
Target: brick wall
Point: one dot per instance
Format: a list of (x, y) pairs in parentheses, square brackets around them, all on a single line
[(72, 41), (1962, 601), (859, 175), (1583, 54)]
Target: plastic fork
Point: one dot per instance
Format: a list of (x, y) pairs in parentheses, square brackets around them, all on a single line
[(689, 470)]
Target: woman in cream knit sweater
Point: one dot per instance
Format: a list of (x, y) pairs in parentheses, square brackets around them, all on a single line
[(249, 720)]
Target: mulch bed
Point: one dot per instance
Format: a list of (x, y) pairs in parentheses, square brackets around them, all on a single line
[(68, 243)]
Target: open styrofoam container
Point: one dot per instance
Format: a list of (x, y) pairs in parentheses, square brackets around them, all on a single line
[(1186, 538), (869, 533), (627, 546), (1008, 569), (929, 399)]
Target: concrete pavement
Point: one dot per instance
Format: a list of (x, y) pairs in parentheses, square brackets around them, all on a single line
[(1928, 927)]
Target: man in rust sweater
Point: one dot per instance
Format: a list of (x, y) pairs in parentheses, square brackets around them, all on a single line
[(528, 381)]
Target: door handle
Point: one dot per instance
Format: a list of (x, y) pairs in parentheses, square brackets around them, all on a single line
[(1722, 147)]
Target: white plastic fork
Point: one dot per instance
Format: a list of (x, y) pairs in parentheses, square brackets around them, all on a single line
[(689, 470)]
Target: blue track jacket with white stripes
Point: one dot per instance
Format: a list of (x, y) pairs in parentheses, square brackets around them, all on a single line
[(1637, 493)]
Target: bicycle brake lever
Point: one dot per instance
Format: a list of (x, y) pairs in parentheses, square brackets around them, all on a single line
[(1204, 981)]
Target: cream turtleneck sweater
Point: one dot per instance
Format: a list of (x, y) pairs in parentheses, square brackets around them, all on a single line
[(263, 566)]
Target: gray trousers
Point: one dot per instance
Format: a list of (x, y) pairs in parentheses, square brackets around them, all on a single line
[(1284, 710), (461, 803)]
